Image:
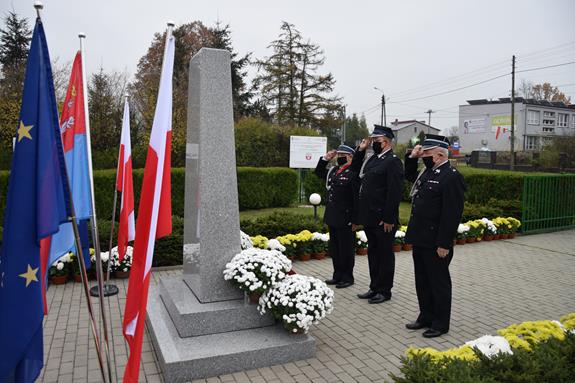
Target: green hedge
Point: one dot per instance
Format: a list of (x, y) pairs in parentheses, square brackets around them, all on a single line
[(550, 361), (277, 224), (260, 188), (313, 184), (257, 188)]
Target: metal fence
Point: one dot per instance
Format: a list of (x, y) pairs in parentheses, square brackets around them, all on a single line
[(548, 203)]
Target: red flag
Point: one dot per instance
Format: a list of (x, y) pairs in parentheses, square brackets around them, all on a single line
[(154, 216), (124, 184)]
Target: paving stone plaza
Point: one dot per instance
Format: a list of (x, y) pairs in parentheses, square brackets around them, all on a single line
[(494, 284)]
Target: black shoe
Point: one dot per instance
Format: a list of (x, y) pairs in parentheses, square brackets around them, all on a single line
[(343, 285), (432, 333), (370, 294), (416, 325), (379, 298), (331, 282)]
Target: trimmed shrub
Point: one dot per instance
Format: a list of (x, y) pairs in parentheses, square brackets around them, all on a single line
[(277, 224), (313, 184), (266, 187), (549, 361)]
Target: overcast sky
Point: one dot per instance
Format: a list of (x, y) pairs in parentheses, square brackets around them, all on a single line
[(410, 49)]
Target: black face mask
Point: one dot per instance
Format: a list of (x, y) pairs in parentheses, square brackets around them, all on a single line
[(376, 146), (428, 161), (341, 161)]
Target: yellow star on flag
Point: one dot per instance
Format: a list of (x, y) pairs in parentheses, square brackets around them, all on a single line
[(30, 275), (24, 131)]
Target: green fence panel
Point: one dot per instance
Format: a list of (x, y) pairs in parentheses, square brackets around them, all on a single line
[(548, 203)]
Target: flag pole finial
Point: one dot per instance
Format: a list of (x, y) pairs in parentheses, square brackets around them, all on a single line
[(39, 6), (171, 23), (82, 35)]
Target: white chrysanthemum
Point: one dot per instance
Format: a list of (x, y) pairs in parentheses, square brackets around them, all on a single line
[(59, 265), (462, 228), (361, 236), (491, 345), (299, 301), (399, 234)]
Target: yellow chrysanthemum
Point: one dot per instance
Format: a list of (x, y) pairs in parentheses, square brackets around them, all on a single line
[(568, 321), (524, 334)]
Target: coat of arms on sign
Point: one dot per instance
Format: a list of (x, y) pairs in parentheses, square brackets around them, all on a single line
[(308, 157)]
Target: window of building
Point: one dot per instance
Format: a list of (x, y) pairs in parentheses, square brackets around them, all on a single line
[(547, 129), (549, 114), (531, 143), (415, 129), (533, 117), (573, 121), (562, 120), (546, 141)]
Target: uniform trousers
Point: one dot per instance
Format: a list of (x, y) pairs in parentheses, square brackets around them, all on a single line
[(433, 287), (342, 252), (381, 259)]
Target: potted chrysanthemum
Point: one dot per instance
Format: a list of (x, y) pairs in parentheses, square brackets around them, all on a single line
[(318, 245), (360, 243), (461, 235), (399, 241), (59, 272), (254, 271), (298, 301), (121, 268), (515, 225), (405, 246), (490, 229)]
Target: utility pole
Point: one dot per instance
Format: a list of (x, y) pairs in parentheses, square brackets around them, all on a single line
[(383, 114), (429, 118), (512, 161)]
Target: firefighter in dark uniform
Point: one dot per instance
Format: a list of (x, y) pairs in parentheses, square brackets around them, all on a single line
[(342, 186), (437, 206), (378, 210)]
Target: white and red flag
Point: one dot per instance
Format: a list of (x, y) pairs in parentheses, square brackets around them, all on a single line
[(154, 215), (125, 185)]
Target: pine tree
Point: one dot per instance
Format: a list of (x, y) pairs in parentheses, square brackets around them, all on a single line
[(289, 85)]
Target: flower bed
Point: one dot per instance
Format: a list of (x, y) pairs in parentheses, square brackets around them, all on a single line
[(530, 352)]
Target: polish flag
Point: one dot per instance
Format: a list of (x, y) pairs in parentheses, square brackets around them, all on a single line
[(154, 216), (124, 185)]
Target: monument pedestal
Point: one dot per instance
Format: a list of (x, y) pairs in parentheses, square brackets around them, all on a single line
[(195, 357), (201, 325)]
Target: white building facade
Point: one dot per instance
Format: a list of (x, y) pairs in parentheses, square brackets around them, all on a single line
[(406, 130), (486, 124)]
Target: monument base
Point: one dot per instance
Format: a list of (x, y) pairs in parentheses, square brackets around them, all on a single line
[(196, 357)]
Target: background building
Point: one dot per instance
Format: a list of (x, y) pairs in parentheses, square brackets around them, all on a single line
[(487, 123), (405, 130)]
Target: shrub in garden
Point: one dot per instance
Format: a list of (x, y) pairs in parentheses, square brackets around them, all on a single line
[(278, 224)]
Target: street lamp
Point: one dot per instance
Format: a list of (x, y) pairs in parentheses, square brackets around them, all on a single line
[(315, 199), (383, 114)]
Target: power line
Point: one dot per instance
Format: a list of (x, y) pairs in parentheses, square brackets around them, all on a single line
[(453, 90), (545, 67)]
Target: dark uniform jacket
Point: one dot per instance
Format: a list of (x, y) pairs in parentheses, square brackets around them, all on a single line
[(380, 189), (437, 205), (342, 188)]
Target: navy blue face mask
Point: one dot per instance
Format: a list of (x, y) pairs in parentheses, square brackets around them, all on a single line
[(376, 146), (341, 161)]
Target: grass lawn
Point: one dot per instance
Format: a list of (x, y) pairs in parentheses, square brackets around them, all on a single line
[(404, 211)]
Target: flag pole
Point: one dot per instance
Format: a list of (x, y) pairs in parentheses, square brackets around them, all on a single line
[(94, 220), (83, 274)]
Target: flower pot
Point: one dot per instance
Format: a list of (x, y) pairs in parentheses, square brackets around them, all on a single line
[(396, 247), (305, 257), (291, 257), (488, 238), (461, 241), (407, 247), (511, 235), (319, 256), (77, 278), (361, 251), (504, 236), (471, 240), (254, 298), (496, 237), (122, 274), (291, 272), (58, 279)]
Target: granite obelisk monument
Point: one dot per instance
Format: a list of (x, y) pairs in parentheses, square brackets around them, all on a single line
[(201, 325)]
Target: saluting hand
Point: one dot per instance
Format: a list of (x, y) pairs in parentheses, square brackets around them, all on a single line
[(329, 155), (387, 227), (416, 152), (442, 252), (364, 144)]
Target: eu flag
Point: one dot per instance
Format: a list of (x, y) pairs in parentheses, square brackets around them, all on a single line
[(37, 203)]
